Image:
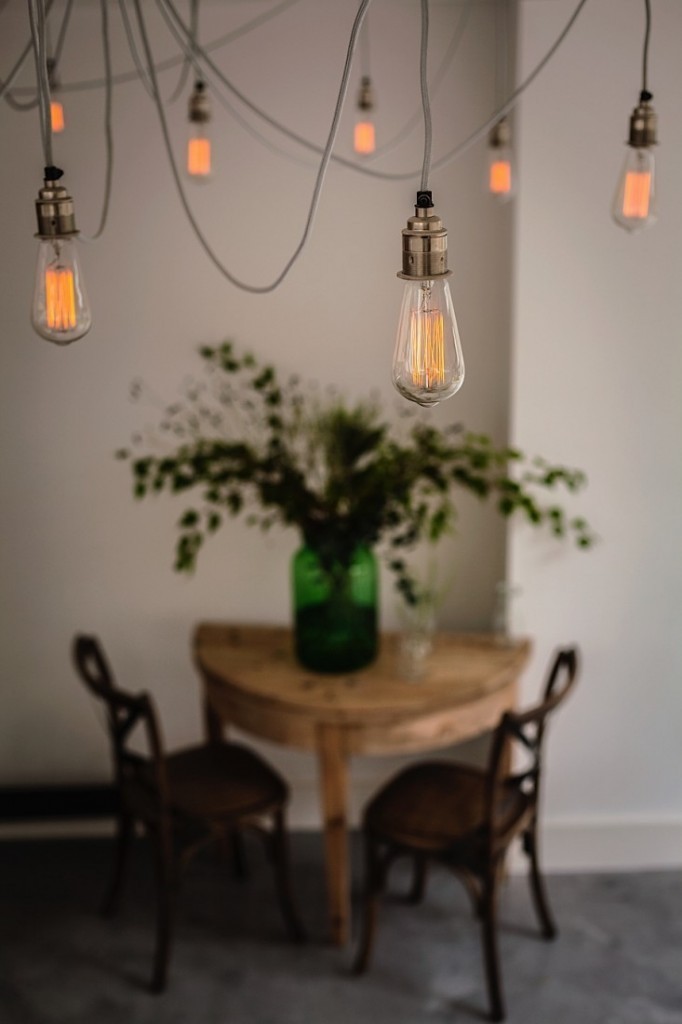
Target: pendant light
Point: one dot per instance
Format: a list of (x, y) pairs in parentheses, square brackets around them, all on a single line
[(364, 136), (427, 364), (500, 177), (56, 106), (199, 142), (61, 312), (364, 133), (635, 201)]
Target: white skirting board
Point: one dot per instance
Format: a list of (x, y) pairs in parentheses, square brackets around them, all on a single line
[(622, 843)]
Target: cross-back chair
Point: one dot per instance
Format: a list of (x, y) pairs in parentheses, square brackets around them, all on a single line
[(184, 800), (466, 818)]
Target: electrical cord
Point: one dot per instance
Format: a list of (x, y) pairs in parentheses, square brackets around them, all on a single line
[(224, 102), (187, 63), (170, 62), (645, 55), (443, 161), (365, 50), (24, 105), (449, 55), (36, 13), (324, 163), (481, 132), (141, 72), (426, 104), (7, 84), (57, 54), (108, 131)]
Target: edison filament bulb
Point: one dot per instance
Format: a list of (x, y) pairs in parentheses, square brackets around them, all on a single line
[(60, 311), (428, 366), (199, 142), (57, 122), (364, 135), (500, 171), (634, 204)]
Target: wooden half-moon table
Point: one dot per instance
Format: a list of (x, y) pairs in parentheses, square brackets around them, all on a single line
[(252, 680)]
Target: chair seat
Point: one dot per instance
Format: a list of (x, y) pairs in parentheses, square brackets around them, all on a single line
[(222, 780), (435, 806)]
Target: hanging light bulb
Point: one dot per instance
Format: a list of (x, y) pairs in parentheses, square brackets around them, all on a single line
[(500, 178), (364, 137), (199, 143), (60, 306), (634, 205), (427, 363), (56, 107)]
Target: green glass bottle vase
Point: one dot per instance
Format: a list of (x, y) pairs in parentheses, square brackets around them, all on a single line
[(335, 610)]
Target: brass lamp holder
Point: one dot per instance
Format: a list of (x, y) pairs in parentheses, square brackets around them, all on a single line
[(366, 94), (643, 123), (55, 208), (425, 243), (500, 135), (199, 110)]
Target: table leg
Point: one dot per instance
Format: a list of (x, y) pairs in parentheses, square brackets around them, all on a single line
[(333, 767)]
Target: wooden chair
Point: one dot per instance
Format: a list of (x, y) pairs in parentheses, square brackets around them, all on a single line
[(184, 800), (466, 818)]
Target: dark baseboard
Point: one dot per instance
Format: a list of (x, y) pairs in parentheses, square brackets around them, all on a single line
[(57, 803)]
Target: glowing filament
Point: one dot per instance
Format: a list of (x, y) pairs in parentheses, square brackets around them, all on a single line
[(199, 157), (427, 348), (364, 139), (57, 116), (60, 299), (500, 177), (637, 194)]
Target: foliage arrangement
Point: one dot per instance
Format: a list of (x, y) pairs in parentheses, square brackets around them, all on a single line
[(242, 442)]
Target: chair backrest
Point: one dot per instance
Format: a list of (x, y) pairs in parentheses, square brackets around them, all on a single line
[(125, 711), (524, 731)]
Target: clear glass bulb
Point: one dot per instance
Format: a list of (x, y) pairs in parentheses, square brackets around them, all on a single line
[(427, 363), (634, 205), (199, 152), (364, 137), (500, 173), (61, 312)]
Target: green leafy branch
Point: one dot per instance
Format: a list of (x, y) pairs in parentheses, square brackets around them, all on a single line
[(244, 443)]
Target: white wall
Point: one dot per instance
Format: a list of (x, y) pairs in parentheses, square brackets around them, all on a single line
[(595, 382), (597, 379), (78, 553)]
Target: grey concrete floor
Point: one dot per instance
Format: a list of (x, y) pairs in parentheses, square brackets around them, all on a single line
[(617, 960)]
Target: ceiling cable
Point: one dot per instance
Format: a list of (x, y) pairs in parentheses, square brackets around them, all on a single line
[(141, 71), (108, 130), (188, 61), (324, 163), (36, 13), (33, 102), (441, 162), (426, 103), (7, 83), (448, 57), (170, 62)]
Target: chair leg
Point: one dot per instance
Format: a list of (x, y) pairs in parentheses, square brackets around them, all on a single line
[(165, 884), (239, 864), (123, 837), (419, 877), (280, 851), (537, 884), (372, 888), (490, 946)]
